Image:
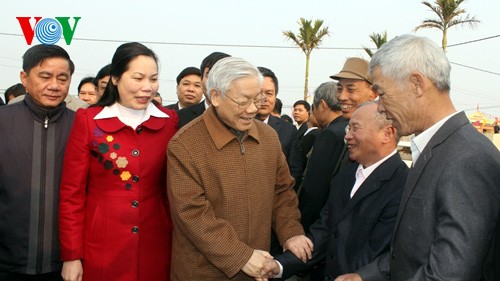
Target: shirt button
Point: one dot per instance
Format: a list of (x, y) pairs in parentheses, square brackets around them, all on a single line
[(135, 152), (135, 178), (135, 204), (139, 130), (135, 229)]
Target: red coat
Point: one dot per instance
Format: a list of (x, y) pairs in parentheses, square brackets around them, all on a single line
[(113, 212)]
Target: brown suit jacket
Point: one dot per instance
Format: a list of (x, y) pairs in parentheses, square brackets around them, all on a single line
[(225, 196)]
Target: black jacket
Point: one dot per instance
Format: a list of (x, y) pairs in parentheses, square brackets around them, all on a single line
[(352, 232), (326, 153), (32, 141)]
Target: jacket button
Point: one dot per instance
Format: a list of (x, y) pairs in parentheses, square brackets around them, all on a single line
[(135, 178), (135, 152), (135, 229), (135, 204)]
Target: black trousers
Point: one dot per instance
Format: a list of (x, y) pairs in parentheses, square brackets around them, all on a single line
[(10, 276)]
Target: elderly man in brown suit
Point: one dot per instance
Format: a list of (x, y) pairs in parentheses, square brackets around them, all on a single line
[(229, 183)]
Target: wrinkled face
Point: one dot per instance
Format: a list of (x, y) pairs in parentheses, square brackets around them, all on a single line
[(240, 91), (364, 136), (398, 102), (48, 83), (300, 114), (351, 93), (88, 93), (101, 85), (189, 90), (269, 91), (138, 85)]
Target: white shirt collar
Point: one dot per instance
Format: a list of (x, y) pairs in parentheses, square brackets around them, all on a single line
[(132, 117), (309, 129), (418, 143), (366, 172), (267, 119)]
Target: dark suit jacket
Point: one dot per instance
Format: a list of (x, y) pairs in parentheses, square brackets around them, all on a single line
[(449, 212), (351, 232), (306, 143), (187, 114), (174, 106), (289, 138), (302, 130), (316, 183)]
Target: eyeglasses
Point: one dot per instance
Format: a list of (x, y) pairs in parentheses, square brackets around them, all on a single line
[(258, 101)]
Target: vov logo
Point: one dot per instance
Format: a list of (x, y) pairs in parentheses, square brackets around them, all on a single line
[(48, 30)]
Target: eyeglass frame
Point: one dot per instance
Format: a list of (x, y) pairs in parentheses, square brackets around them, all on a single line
[(258, 101)]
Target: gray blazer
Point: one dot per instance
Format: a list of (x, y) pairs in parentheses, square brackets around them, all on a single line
[(449, 212)]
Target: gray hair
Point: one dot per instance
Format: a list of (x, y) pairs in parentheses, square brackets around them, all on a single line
[(405, 54), (327, 92), (226, 70)]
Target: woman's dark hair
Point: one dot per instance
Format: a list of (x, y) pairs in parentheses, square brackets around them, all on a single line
[(103, 72), (119, 65)]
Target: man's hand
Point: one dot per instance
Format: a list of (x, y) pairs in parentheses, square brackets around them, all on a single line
[(300, 246), (270, 269), (72, 270), (349, 277), (254, 266)]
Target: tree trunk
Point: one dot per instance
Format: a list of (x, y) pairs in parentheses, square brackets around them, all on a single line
[(306, 83), (444, 43)]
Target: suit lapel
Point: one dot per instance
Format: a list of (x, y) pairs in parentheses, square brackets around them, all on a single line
[(415, 173), (370, 185), (274, 123)]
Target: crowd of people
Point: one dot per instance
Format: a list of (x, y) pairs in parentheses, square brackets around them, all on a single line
[(112, 185)]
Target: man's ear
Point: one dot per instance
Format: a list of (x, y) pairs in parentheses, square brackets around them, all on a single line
[(23, 76), (418, 83), (215, 97), (322, 105), (389, 133)]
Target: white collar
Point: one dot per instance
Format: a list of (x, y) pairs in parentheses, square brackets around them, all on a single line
[(111, 111), (418, 143)]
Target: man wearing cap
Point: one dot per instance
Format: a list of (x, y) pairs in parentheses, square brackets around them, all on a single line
[(189, 90), (353, 86)]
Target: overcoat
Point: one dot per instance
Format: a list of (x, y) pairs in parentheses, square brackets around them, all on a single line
[(113, 213), (225, 195)]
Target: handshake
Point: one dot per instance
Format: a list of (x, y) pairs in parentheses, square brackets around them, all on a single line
[(262, 265)]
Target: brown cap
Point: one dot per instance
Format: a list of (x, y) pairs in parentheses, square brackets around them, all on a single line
[(354, 68)]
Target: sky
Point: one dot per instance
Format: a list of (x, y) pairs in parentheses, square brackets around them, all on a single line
[(182, 33)]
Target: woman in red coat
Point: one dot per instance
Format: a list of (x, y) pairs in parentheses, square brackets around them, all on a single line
[(114, 219)]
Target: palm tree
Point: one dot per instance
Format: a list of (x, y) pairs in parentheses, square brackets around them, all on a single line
[(450, 14), (309, 38), (379, 39)]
